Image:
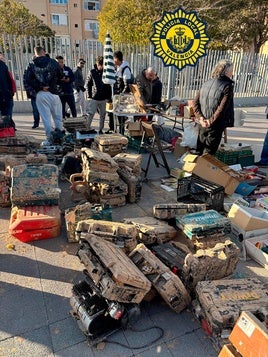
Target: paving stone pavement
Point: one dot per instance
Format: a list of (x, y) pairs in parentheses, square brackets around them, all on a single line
[(37, 278)]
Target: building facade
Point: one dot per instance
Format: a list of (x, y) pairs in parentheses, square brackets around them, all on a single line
[(74, 19)]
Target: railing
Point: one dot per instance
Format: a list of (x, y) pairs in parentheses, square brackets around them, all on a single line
[(250, 70)]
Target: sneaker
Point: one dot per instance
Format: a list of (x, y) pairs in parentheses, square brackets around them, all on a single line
[(35, 126), (109, 132), (45, 143), (100, 132), (259, 163)]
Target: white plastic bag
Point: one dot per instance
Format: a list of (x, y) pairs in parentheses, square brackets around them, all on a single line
[(190, 134)]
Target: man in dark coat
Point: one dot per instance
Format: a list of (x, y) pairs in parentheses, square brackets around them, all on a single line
[(214, 107), (98, 93), (150, 86)]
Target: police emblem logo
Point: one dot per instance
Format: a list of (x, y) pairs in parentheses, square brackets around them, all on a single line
[(180, 38)]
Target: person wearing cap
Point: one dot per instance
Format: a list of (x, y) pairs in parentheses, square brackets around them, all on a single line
[(79, 87)]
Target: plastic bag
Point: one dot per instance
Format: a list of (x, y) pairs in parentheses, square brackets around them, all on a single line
[(190, 134)]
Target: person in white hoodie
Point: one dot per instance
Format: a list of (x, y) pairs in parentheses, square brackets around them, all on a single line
[(123, 77), (123, 74)]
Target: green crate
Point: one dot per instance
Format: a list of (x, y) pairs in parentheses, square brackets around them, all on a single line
[(246, 160), (134, 143), (227, 157)]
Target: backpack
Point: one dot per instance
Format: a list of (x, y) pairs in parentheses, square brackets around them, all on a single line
[(132, 78)]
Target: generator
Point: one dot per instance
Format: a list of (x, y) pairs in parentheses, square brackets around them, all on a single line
[(96, 316)]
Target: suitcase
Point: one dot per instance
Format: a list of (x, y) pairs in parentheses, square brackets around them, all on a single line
[(18, 145), (210, 264), (35, 222), (171, 256), (97, 161), (111, 270), (167, 211), (132, 161), (121, 234), (5, 183), (33, 185), (36, 159), (151, 230), (72, 124), (202, 224), (112, 194), (111, 144), (166, 283), (83, 212), (220, 302), (134, 184)]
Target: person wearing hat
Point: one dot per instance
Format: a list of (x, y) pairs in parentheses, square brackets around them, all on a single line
[(79, 87)]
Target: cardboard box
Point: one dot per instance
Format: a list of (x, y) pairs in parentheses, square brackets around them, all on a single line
[(134, 128), (250, 336), (248, 218), (256, 253), (211, 169), (239, 232), (229, 351)]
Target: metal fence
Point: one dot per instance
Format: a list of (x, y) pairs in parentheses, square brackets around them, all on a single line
[(250, 70)]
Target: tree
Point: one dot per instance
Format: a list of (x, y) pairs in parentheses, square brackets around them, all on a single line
[(231, 24), (15, 19)]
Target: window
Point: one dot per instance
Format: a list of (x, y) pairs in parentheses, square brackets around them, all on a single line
[(92, 5), (59, 19), (92, 26), (75, 25), (75, 5), (58, 1)]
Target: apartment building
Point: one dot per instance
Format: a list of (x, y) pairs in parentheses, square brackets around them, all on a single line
[(73, 19)]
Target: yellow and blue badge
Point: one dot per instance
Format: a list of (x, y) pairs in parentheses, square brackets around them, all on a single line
[(180, 38)]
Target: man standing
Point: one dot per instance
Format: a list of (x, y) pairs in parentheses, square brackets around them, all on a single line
[(43, 75), (150, 86), (79, 87), (123, 79), (98, 93), (66, 88), (214, 107), (6, 89)]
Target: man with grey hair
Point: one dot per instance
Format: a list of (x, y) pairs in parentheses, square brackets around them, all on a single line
[(150, 86), (214, 107)]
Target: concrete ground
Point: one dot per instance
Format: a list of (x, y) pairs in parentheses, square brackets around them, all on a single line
[(37, 278)]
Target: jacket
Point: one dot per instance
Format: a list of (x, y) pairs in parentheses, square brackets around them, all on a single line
[(95, 87), (151, 92), (79, 82), (66, 88), (6, 90), (215, 102), (123, 78), (43, 72)]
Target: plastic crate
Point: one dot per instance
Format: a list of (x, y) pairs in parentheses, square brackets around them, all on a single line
[(183, 188), (227, 157), (246, 160), (208, 192), (134, 144)]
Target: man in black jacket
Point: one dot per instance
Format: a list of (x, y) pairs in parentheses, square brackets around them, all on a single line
[(79, 86), (6, 91), (214, 107), (43, 75), (98, 93), (150, 86)]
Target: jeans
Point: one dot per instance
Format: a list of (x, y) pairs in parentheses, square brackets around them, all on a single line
[(95, 105), (68, 99), (49, 105), (264, 153), (36, 115), (80, 101)]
